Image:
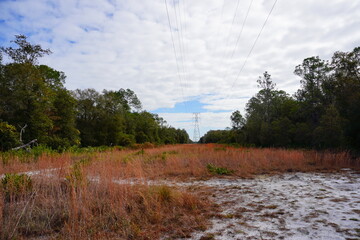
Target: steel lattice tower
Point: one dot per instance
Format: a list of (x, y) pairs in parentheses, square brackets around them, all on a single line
[(196, 136)]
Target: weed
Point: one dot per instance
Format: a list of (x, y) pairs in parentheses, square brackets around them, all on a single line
[(76, 176), (165, 193), (16, 185), (141, 152), (218, 170)]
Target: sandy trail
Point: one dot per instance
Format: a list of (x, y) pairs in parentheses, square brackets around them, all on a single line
[(286, 206)]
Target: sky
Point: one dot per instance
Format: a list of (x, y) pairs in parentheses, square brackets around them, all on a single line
[(183, 56)]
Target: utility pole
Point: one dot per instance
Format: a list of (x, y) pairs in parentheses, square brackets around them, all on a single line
[(196, 136)]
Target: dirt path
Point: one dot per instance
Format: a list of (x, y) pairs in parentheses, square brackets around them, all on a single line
[(287, 206)]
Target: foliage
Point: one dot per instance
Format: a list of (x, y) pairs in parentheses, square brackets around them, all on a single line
[(218, 170), (26, 53), (323, 113), (34, 96), (8, 136)]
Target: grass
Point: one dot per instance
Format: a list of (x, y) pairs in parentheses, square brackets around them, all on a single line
[(77, 197), (76, 208)]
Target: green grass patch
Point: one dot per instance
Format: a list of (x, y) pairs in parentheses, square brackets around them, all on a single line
[(218, 170)]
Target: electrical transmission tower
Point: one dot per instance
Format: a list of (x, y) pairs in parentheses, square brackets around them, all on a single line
[(196, 136)]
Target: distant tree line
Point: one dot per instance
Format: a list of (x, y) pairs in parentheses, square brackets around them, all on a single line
[(35, 104), (323, 113)]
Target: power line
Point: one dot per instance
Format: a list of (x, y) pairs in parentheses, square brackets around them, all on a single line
[(218, 29), (176, 58), (185, 45), (239, 36), (181, 40), (242, 28), (232, 24), (253, 46)]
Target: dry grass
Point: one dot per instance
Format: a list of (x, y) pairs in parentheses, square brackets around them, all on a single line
[(80, 199), (192, 161), (188, 161), (76, 208)]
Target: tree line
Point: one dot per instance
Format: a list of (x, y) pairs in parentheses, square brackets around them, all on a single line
[(36, 105), (323, 113)]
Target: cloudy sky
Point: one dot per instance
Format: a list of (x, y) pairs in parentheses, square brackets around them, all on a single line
[(207, 60)]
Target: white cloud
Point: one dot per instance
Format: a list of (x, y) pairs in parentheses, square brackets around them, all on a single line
[(127, 44)]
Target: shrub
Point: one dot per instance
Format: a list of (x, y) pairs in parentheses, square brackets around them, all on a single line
[(218, 170)]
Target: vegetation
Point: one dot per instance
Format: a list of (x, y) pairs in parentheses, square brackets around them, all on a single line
[(36, 104), (79, 181), (100, 193), (218, 170), (324, 113)]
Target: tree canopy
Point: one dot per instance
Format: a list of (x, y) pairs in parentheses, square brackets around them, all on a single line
[(323, 113), (34, 96)]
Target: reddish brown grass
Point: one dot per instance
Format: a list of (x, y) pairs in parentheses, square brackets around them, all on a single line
[(79, 209), (191, 161)]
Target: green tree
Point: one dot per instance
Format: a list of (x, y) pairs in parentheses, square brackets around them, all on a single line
[(31, 95), (313, 72), (329, 133), (25, 52), (346, 81), (8, 136), (266, 94), (64, 132), (237, 120)]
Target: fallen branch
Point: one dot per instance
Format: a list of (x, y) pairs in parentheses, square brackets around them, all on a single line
[(25, 145)]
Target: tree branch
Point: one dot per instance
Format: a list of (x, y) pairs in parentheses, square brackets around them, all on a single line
[(25, 145)]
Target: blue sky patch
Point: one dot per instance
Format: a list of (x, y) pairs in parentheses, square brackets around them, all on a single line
[(184, 107)]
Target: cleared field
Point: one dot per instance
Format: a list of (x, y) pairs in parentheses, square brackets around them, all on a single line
[(131, 194)]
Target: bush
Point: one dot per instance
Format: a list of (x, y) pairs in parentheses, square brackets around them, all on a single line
[(218, 170), (126, 139)]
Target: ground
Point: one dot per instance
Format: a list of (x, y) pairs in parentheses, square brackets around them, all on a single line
[(214, 192), (285, 206)]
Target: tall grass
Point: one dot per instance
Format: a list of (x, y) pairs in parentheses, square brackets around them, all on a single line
[(76, 208), (192, 161), (183, 161)]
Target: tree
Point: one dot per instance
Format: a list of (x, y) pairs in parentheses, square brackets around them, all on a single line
[(26, 100), (26, 52), (313, 72), (346, 80), (265, 94), (329, 133), (64, 133), (35, 96), (237, 120), (8, 136)]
